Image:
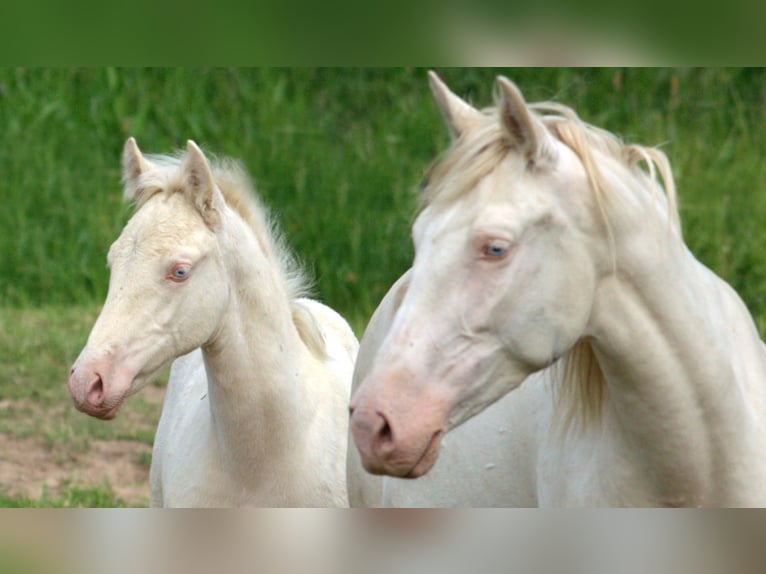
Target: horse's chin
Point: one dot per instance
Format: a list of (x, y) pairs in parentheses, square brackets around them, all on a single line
[(428, 458), (110, 410), (401, 467), (111, 413), (104, 412)]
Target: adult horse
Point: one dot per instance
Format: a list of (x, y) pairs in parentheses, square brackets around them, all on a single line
[(255, 411), (552, 294)]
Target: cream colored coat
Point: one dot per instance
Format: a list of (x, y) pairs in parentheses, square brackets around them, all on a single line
[(256, 406), (558, 344)]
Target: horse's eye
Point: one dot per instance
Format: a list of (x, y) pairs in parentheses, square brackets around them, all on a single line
[(495, 249), (180, 272)]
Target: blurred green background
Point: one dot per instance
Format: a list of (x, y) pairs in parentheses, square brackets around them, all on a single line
[(337, 154)]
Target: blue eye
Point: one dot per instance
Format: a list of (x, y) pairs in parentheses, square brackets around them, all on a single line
[(180, 272), (496, 249)]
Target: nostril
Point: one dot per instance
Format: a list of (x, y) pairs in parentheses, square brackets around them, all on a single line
[(96, 391), (385, 435)]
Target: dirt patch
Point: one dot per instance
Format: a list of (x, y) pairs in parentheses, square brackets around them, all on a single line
[(28, 466), (32, 463)]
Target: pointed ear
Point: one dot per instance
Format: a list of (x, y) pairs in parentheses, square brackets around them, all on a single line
[(199, 184), (133, 165), (458, 114), (523, 130)]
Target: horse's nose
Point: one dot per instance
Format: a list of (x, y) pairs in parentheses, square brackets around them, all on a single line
[(379, 426), (374, 438), (86, 388)]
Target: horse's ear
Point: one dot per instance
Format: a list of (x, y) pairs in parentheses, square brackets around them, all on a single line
[(522, 129), (133, 165), (199, 184), (458, 114)]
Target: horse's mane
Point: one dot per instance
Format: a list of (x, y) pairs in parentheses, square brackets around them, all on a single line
[(240, 196), (479, 150), (581, 390)]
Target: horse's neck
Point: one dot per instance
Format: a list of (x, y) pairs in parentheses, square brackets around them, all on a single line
[(678, 351), (254, 367)]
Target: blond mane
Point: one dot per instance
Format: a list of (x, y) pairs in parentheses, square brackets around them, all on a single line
[(240, 196), (581, 389)]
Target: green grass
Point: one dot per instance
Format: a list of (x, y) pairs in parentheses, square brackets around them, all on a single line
[(318, 143), (69, 496), (337, 154)]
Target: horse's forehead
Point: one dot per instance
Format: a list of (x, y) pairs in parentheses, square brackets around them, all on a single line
[(164, 221), (504, 197), (436, 222)]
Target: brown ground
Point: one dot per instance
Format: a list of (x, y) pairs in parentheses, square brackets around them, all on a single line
[(28, 464)]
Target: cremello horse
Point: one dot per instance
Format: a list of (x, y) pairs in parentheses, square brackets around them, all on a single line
[(554, 311), (256, 409)]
